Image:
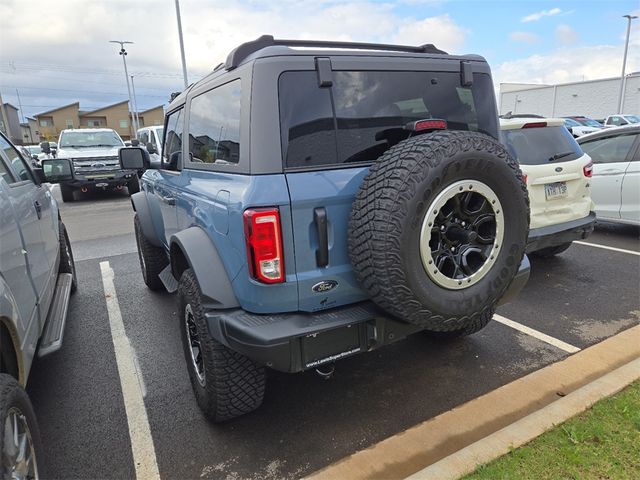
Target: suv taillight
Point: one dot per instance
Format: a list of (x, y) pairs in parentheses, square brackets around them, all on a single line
[(264, 244), (588, 170)]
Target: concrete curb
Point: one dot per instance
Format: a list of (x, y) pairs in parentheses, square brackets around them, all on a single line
[(430, 442), (517, 434)]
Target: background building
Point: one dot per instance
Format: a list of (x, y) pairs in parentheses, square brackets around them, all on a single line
[(10, 123), (49, 124), (593, 98)]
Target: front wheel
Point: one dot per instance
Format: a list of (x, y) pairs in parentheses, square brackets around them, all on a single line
[(226, 383), (20, 444), (152, 259)]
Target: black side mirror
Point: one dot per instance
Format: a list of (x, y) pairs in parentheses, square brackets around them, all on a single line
[(46, 147), (35, 157), (133, 158), (135, 142), (151, 148), (56, 170)]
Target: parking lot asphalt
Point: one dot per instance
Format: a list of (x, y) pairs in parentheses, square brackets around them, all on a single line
[(581, 297)]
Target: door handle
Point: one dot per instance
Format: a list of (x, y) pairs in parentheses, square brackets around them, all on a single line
[(322, 253), (167, 200), (38, 209)]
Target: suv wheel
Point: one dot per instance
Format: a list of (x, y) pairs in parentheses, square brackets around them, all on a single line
[(152, 259), (226, 384), (551, 251), (20, 443), (67, 264), (67, 193), (133, 186), (439, 228)]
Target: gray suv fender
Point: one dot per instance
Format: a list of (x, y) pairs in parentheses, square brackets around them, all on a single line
[(142, 208), (203, 258)]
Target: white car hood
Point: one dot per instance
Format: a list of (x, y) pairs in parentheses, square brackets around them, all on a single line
[(92, 152)]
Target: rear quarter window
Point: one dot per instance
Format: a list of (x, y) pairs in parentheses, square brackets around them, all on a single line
[(541, 145), (609, 149)]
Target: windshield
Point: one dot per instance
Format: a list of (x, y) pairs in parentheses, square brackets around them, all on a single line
[(589, 122), (90, 139), (632, 118), (33, 149), (537, 146), (570, 122)]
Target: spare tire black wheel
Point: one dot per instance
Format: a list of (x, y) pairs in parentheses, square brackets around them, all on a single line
[(438, 229)]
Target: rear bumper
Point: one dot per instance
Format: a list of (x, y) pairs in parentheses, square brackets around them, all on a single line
[(555, 235), (293, 342)]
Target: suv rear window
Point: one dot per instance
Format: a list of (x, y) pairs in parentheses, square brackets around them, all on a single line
[(363, 113), (540, 145)]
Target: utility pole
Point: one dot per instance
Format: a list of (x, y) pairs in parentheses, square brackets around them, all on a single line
[(184, 62), (135, 105), (20, 105), (624, 62), (123, 53)]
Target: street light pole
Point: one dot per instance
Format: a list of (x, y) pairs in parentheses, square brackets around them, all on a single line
[(184, 62), (123, 53), (624, 62), (135, 105)]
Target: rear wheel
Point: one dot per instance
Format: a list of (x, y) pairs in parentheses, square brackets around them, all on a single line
[(67, 193), (152, 259), (551, 251), (438, 230), (20, 444), (226, 383)]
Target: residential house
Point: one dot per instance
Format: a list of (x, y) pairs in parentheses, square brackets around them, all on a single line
[(12, 128), (52, 122)]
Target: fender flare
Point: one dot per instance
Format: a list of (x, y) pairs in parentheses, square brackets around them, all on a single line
[(203, 258), (141, 207)]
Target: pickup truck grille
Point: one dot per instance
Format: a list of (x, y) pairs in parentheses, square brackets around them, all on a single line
[(98, 164)]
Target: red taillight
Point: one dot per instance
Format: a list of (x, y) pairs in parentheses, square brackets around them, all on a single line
[(264, 244), (588, 170), (524, 177), (535, 125)]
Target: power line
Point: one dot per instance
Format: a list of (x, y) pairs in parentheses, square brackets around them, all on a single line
[(82, 92), (82, 80)]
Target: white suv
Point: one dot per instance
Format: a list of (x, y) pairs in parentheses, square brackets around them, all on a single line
[(558, 177), (151, 139)]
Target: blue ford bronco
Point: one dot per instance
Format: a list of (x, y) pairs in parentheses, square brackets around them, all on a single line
[(318, 199)]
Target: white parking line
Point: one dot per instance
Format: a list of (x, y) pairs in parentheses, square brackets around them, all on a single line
[(144, 454), (536, 334), (605, 247)]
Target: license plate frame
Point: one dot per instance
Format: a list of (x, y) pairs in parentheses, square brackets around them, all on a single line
[(555, 190)]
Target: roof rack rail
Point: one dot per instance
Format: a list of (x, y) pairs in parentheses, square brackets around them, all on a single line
[(241, 52)]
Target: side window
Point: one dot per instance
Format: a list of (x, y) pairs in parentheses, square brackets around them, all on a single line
[(16, 162), (144, 137), (609, 149), (173, 137), (152, 138), (214, 125), (4, 172)]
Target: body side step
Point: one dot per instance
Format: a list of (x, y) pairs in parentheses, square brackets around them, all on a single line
[(168, 280), (51, 340)]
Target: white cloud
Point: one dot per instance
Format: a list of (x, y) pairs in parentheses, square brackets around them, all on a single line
[(566, 35), (72, 51), (526, 37), (568, 64), (533, 17)]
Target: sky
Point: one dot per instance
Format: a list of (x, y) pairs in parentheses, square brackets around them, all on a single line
[(56, 52)]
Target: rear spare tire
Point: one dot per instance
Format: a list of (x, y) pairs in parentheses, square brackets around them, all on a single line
[(438, 229)]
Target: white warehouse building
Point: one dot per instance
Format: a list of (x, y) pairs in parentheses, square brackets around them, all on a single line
[(592, 98)]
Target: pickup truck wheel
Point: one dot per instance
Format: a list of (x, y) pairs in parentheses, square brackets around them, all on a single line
[(133, 186), (226, 384), (67, 193), (439, 228), (67, 264), (551, 251), (20, 443), (152, 259)]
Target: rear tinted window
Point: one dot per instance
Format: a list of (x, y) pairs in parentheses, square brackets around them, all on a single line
[(536, 146), (363, 113), (609, 149)]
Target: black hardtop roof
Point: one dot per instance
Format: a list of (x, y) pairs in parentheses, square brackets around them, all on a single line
[(267, 46)]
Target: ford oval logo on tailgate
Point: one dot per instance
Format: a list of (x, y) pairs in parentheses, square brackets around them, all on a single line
[(324, 286), (558, 169)]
